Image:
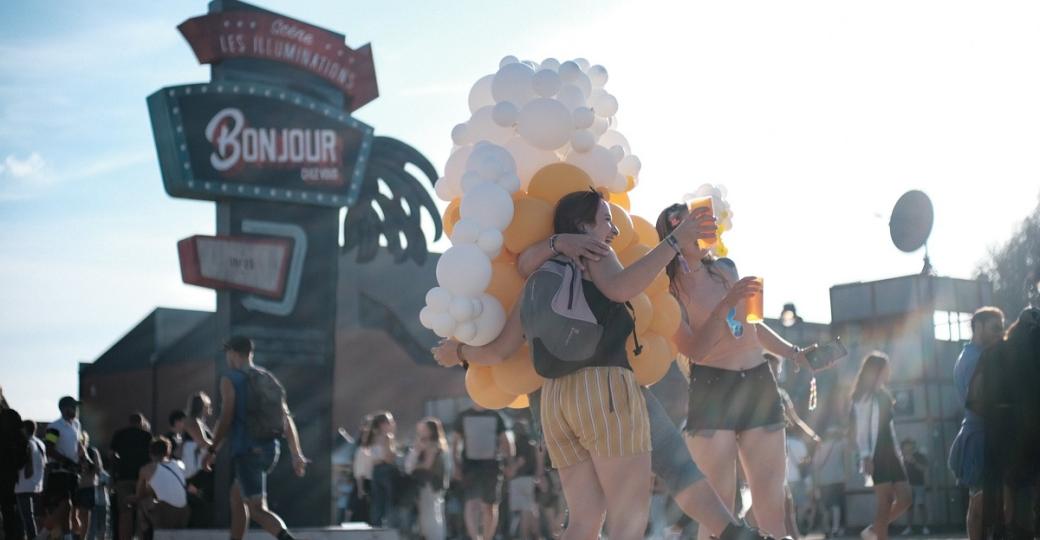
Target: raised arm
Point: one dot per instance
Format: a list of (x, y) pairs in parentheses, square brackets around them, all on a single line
[(577, 247), (622, 284)]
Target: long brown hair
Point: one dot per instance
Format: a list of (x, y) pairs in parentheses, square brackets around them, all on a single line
[(377, 420), (665, 225), (868, 380), (437, 429)]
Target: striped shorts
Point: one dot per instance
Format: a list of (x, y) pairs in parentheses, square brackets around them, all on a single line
[(596, 411)]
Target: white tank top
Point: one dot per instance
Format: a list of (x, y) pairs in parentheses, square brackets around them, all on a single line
[(193, 457), (168, 483)]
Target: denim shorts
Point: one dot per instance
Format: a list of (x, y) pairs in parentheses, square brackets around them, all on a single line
[(252, 467)]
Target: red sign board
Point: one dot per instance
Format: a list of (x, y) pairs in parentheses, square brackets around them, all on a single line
[(268, 36), (244, 263)]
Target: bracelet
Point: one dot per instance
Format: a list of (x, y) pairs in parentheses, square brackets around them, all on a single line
[(458, 352), (673, 243), (552, 245)]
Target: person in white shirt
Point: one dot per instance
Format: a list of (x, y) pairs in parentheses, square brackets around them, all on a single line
[(63, 465), (162, 493), (30, 480)]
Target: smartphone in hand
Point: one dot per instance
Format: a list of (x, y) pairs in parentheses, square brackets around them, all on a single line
[(823, 356)]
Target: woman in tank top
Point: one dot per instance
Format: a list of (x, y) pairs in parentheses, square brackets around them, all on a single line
[(735, 411), (162, 494)]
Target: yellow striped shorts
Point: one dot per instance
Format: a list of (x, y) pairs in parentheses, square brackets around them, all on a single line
[(596, 411)]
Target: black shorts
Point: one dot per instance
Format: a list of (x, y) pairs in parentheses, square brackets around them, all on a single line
[(84, 498), (482, 482), (728, 400), (59, 487), (888, 467)]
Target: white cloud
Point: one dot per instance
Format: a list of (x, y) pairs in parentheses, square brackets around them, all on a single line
[(22, 168)]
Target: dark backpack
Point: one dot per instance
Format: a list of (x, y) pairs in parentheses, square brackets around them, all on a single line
[(265, 405)]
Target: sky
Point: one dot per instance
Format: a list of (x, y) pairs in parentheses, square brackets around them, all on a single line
[(816, 115)]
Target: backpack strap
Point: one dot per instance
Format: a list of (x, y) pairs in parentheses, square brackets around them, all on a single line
[(637, 349)]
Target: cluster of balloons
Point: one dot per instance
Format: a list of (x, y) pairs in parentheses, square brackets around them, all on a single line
[(723, 213), (538, 131)]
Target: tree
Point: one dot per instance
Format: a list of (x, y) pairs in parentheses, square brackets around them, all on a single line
[(390, 205), (1014, 268)]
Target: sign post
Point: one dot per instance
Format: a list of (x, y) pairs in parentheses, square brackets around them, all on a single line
[(272, 141)]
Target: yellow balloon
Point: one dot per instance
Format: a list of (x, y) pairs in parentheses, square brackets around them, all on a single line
[(630, 183), (554, 181), (626, 234), (505, 285), (653, 362), (532, 222), (505, 256), (666, 315), (451, 215), (632, 254), (517, 375), (621, 199), (646, 232), (482, 389), (521, 402), (644, 312), (659, 285)]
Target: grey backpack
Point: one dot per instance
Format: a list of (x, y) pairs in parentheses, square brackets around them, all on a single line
[(265, 405), (561, 330)]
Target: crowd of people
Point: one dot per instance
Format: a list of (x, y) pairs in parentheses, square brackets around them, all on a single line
[(58, 485)]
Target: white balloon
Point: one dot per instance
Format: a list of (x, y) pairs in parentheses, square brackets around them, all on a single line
[(569, 71), (583, 117), (455, 167), (458, 134), (482, 127), (489, 205), (545, 123), (445, 191), (629, 166), (510, 182), (490, 242), (597, 75), (478, 307), (618, 152), (480, 93), (438, 298), (506, 60), (461, 309), (529, 159), (513, 83), (426, 317), (490, 161), (582, 63), (583, 141), (614, 138), (464, 270), (504, 114), (489, 323), (605, 105), (546, 83), (600, 126), (443, 324), (551, 63), (582, 82), (571, 97), (466, 231), (466, 331), (470, 180), (598, 163)]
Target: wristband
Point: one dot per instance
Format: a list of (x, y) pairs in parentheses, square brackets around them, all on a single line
[(674, 244), (552, 245)]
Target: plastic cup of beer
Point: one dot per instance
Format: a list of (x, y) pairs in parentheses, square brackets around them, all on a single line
[(755, 306), (704, 202)]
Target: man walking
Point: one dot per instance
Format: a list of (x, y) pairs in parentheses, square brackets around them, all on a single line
[(129, 450), (62, 472), (482, 435), (254, 416)]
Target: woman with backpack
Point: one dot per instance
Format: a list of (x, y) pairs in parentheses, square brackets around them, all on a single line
[(880, 458), (425, 463), (593, 414), (735, 411)]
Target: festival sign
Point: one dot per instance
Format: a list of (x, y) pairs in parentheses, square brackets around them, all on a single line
[(246, 263), (263, 35), (244, 140)]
